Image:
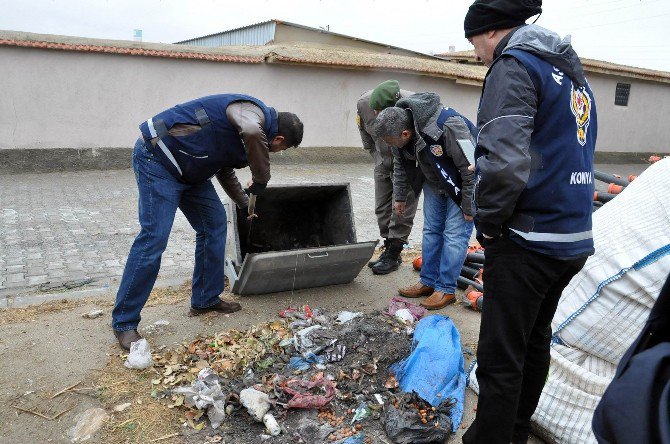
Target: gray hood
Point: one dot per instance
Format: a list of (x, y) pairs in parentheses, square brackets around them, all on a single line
[(425, 108), (549, 46)]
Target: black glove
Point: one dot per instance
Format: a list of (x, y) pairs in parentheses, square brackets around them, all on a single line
[(256, 188)]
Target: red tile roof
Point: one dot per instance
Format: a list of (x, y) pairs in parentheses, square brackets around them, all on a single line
[(590, 65), (130, 51), (310, 54), (354, 58), (304, 54)]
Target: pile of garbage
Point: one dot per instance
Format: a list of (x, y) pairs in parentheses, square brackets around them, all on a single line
[(312, 377)]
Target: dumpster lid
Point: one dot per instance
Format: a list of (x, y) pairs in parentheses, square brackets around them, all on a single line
[(286, 270)]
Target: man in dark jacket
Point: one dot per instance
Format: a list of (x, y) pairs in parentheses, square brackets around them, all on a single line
[(179, 151), (423, 132), (534, 191), (393, 228)]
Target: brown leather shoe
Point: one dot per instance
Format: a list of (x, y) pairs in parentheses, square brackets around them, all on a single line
[(438, 300), (415, 291), (221, 307), (127, 337)]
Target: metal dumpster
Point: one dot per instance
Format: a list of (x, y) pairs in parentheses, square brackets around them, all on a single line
[(304, 237)]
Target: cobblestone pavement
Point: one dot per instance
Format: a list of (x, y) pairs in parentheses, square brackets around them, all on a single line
[(57, 228), (60, 228)]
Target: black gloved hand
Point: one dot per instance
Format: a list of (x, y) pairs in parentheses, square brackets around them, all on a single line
[(256, 188)]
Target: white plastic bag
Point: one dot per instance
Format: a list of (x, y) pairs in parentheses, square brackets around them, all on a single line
[(206, 393), (140, 355), (407, 318), (256, 402), (405, 315), (346, 316)]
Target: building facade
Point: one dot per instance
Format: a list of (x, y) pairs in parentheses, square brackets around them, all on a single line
[(83, 99)]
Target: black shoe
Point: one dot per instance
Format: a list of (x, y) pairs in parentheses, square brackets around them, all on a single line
[(385, 250), (386, 266), (392, 260), (127, 337), (221, 307)]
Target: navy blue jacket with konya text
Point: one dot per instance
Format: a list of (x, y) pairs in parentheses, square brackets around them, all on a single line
[(198, 156), (537, 140), (553, 213)]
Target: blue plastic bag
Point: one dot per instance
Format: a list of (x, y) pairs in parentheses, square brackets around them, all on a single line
[(305, 363), (356, 439), (434, 368)]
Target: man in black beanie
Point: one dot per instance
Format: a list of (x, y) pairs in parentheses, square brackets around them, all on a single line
[(534, 188)]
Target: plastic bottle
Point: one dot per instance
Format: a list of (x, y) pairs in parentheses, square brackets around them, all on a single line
[(271, 424)]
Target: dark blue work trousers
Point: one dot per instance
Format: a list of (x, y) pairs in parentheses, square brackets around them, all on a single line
[(160, 194)]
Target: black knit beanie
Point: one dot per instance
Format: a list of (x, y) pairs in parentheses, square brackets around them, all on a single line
[(488, 15)]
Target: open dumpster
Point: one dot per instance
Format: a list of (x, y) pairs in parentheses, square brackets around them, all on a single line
[(304, 237)]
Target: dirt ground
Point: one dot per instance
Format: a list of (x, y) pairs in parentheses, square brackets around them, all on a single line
[(46, 349)]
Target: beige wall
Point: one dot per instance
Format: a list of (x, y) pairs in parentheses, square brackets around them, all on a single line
[(638, 127), (61, 99)]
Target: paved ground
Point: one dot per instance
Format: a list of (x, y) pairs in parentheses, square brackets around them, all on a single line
[(57, 229)]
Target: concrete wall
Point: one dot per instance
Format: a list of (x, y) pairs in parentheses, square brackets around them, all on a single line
[(59, 99), (287, 33), (78, 100), (638, 127)]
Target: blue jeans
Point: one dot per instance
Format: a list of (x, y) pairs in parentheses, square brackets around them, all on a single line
[(446, 235), (160, 194)]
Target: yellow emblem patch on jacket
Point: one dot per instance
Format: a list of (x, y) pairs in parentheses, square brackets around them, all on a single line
[(358, 121), (580, 104), (436, 150)]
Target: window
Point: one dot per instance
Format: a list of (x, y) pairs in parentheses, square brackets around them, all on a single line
[(622, 93)]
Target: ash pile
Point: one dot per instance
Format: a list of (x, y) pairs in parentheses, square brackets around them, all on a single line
[(312, 377)]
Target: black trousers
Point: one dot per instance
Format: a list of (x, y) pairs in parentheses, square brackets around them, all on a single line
[(521, 289)]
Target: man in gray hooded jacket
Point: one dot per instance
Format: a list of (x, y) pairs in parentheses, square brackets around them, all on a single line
[(424, 133), (537, 131)]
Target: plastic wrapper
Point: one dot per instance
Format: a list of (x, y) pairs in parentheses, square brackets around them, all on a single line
[(256, 402), (397, 303), (206, 393), (361, 412), (313, 339), (303, 393), (140, 355), (305, 363), (404, 424), (356, 439), (335, 353), (346, 316)]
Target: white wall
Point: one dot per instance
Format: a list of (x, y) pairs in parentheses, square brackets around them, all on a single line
[(65, 99), (638, 127), (59, 99)]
